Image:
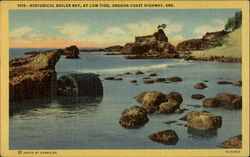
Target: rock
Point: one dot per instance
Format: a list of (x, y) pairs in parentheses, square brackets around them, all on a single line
[(133, 81), (152, 74), (91, 50), (146, 78), (139, 73), (205, 81), (118, 79), (233, 143), (116, 48), (198, 96), (200, 86), (151, 100), (179, 111), (201, 133), (225, 99), (174, 79), (175, 96), (71, 52), (211, 102), (127, 73), (170, 122), (33, 77), (133, 117), (224, 82), (203, 121), (197, 106), (238, 83), (140, 97), (79, 84), (169, 107), (160, 80), (168, 137), (109, 78), (111, 53), (148, 81)]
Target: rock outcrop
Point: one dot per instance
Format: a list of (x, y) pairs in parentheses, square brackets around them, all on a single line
[(71, 52), (168, 137), (33, 77), (203, 121), (150, 46), (224, 100), (209, 40), (133, 117)]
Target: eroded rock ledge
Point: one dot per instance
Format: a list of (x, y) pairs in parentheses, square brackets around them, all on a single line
[(35, 76)]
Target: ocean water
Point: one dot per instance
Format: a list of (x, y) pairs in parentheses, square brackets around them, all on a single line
[(94, 124)]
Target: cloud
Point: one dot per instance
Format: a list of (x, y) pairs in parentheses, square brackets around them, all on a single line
[(20, 32), (74, 31)]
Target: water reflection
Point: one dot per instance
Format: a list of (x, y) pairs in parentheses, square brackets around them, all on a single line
[(202, 133), (58, 106)]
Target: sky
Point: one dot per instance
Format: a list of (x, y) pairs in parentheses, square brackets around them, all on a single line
[(102, 28)]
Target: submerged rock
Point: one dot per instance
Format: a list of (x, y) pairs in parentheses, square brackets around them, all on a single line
[(198, 96), (152, 75), (139, 73), (133, 81), (203, 121), (168, 137), (148, 81), (133, 117), (224, 82), (174, 79), (33, 77), (200, 86), (109, 78), (160, 80), (233, 143)]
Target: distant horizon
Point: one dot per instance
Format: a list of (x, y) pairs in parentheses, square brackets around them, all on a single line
[(104, 28)]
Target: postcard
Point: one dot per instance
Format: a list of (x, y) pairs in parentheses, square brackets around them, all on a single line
[(124, 78)]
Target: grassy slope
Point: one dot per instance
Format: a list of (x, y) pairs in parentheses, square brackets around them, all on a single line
[(231, 47)]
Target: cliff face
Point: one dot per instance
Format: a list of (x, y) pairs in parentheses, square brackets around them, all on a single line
[(150, 45), (209, 40), (33, 77)]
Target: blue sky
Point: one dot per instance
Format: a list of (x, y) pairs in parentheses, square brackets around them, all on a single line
[(97, 28)]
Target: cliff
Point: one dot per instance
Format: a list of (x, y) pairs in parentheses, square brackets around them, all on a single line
[(209, 40)]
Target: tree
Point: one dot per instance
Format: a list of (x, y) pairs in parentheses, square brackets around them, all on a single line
[(234, 22), (162, 26)]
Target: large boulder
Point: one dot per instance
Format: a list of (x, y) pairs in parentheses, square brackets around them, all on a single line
[(169, 107), (224, 100), (33, 77), (175, 96), (79, 84), (151, 100), (203, 121), (168, 137), (133, 117)]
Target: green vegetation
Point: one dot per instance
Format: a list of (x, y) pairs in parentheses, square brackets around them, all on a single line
[(234, 23), (231, 47), (162, 26)]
